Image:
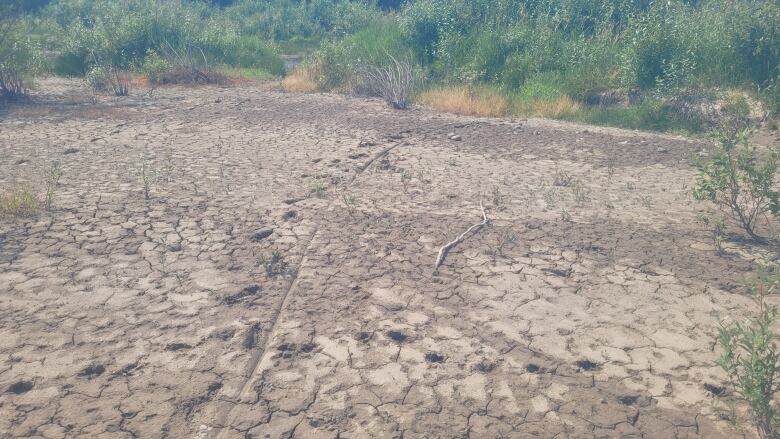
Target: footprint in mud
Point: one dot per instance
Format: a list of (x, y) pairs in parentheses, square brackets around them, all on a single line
[(250, 338), (20, 387), (714, 390), (586, 365), (533, 368), (397, 336), (286, 350), (242, 295), (173, 347), (433, 357), (262, 234), (308, 347), (486, 366), (92, 371), (628, 400), (363, 337)]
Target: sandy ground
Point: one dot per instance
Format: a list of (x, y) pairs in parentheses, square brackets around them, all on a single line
[(279, 281)]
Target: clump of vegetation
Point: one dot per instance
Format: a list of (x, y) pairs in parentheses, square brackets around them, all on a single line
[(751, 359), (301, 80), (393, 81), (465, 100), (318, 187), (740, 180), (18, 202), (636, 64), (148, 175), (20, 57), (275, 265), (52, 180)]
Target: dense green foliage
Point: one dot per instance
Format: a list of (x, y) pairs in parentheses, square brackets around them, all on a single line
[(574, 48), (750, 357), (738, 180)]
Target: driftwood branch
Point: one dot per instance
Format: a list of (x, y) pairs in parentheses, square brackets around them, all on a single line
[(446, 249)]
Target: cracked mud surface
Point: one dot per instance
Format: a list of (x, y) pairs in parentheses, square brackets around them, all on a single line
[(278, 282)]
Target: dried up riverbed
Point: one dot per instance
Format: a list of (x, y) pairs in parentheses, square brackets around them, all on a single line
[(279, 280)]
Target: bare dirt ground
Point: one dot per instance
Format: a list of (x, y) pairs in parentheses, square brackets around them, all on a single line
[(279, 281)]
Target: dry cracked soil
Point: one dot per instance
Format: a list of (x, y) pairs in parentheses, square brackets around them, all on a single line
[(279, 282)]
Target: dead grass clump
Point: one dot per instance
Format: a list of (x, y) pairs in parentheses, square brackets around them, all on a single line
[(465, 100), (547, 108), (18, 202), (301, 80), (394, 82)]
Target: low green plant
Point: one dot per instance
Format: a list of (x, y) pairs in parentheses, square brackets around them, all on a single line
[(52, 180), (275, 264), (154, 67), (406, 178), (318, 187), (147, 175), (349, 202), (751, 359), (20, 60), (739, 181)]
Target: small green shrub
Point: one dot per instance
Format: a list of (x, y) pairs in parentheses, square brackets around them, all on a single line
[(738, 180), (20, 61), (154, 67), (751, 359)]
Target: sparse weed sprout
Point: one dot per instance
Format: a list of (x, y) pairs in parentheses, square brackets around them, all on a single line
[(275, 265), (740, 181), (318, 187), (580, 192), (562, 178), (349, 202), (147, 175), (406, 178), (55, 173), (751, 359)]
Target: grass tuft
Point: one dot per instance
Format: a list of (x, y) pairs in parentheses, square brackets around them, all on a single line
[(465, 100), (300, 81), (18, 202)]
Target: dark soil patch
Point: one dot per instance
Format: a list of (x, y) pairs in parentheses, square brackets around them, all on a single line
[(92, 371), (433, 357), (397, 336), (173, 347), (20, 387)]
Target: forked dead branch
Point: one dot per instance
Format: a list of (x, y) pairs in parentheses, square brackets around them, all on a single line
[(446, 249)]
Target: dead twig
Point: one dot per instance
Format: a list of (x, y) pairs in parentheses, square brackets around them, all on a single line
[(446, 249)]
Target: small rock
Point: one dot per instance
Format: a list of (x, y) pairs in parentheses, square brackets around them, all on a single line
[(661, 149), (456, 138), (703, 154)]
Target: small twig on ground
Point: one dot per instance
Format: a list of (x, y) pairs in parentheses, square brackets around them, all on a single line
[(446, 249)]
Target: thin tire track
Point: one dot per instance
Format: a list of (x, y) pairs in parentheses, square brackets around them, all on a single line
[(258, 354)]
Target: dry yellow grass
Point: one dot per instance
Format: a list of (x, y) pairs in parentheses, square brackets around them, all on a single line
[(21, 201), (301, 80), (548, 108), (465, 100)]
